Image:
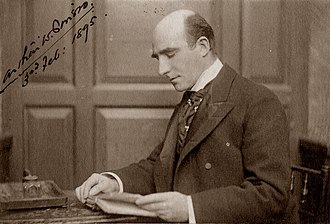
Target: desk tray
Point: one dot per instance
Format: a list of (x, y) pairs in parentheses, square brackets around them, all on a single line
[(12, 196)]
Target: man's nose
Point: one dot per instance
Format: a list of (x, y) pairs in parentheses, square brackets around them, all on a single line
[(163, 67)]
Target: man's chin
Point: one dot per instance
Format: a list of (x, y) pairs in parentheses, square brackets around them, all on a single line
[(177, 88)]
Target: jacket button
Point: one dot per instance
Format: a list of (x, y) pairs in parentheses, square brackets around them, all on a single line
[(227, 144), (208, 166)]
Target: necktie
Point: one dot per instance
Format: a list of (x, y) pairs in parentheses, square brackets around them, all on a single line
[(193, 100)]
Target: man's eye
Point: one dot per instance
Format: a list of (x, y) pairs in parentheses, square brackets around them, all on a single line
[(155, 57), (170, 55)]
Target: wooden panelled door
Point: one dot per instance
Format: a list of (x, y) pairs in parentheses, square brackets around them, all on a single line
[(92, 99)]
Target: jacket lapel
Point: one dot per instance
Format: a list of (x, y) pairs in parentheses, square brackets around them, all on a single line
[(212, 110), (167, 156)]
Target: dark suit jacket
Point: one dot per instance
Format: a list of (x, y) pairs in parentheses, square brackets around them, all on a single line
[(235, 163)]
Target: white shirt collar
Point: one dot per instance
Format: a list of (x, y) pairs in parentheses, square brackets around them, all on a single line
[(209, 74)]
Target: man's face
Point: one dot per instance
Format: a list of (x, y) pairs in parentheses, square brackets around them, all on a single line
[(176, 60)]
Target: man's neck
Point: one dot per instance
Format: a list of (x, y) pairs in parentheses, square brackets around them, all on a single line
[(208, 75), (210, 60)]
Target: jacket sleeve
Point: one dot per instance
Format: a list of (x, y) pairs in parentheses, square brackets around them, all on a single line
[(138, 177), (264, 192)]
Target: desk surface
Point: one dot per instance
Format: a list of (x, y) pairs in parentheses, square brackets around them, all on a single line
[(74, 212)]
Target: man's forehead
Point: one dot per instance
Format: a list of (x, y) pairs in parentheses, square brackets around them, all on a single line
[(168, 42), (170, 28), (169, 34)]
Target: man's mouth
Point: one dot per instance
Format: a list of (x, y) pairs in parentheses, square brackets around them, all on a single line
[(172, 79)]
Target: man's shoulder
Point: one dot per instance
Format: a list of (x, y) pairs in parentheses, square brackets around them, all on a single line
[(246, 89)]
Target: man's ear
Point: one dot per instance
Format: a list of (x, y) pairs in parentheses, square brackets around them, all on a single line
[(204, 45)]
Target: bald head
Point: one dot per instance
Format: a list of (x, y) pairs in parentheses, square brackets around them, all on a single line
[(181, 48), (189, 24), (174, 19), (172, 26)]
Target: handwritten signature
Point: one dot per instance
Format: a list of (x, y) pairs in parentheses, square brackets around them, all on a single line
[(47, 58)]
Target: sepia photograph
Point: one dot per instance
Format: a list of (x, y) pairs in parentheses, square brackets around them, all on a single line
[(165, 111)]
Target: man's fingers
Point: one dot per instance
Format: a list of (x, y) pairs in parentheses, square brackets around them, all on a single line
[(88, 184), (92, 205), (78, 194), (94, 185), (96, 189), (101, 186), (90, 201), (170, 206)]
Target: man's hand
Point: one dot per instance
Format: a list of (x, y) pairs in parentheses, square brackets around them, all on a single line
[(170, 206), (94, 185)]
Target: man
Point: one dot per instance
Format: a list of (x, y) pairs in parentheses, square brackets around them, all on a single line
[(231, 161)]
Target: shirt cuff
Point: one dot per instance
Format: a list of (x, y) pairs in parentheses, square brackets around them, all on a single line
[(191, 212), (117, 178)]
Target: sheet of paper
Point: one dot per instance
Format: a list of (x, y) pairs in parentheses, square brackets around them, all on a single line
[(121, 203)]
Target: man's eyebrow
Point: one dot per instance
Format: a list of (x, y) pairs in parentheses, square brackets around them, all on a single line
[(164, 51)]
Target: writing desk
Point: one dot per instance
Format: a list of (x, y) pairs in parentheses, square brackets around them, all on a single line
[(74, 212)]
